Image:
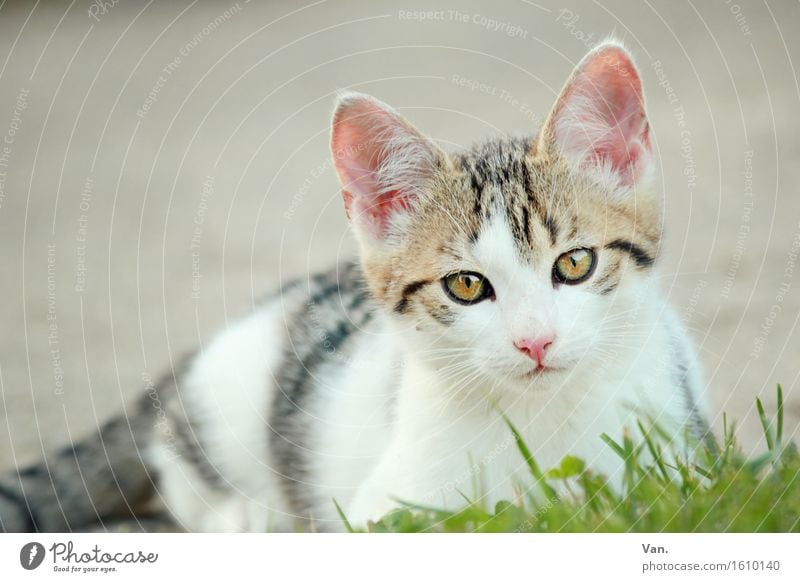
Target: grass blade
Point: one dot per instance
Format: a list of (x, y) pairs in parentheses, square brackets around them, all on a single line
[(614, 445), (765, 424), (549, 492), (343, 517), (779, 435), (702, 472), (656, 454)]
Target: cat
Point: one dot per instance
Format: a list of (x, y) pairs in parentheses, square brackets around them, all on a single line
[(515, 278)]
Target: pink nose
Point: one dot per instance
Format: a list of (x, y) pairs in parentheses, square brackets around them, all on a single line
[(535, 348)]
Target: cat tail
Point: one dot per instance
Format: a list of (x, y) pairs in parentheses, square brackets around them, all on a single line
[(103, 476)]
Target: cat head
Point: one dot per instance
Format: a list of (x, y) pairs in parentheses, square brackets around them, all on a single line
[(518, 255)]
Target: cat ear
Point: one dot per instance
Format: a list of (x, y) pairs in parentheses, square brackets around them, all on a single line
[(599, 121), (383, 162)]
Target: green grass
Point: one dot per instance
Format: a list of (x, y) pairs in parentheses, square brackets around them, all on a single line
[(721, 491)]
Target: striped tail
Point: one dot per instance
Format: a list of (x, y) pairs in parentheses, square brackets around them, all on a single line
[(103, 476)]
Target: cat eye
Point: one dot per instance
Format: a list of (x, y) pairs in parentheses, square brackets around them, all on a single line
[(574, 266), (467, 287)]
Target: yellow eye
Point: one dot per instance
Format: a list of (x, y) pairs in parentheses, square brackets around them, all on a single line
[(574, 266), (467, 287)]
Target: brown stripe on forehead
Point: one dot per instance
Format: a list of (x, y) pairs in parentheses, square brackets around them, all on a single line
[(408, 291), (500, 165), (573, 228), (480, 175), (522, 204), (552, 228), (527, 187), (477, 189), (640, 256), (518, 220)]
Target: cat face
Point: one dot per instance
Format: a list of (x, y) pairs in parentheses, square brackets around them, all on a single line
[(517, 259)]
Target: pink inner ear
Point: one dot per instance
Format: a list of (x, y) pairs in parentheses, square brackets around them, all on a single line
[(601, 114), (360, 131)]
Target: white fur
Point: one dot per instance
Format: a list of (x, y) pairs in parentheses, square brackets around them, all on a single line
[(392, 423), (446, 444), (227, 389)]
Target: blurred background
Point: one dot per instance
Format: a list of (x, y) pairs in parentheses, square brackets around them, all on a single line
[(163, 164)]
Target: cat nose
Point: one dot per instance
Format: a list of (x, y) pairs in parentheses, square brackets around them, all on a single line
[(535, 348)]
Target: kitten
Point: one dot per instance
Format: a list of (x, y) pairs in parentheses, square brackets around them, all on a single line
[(515, 277)]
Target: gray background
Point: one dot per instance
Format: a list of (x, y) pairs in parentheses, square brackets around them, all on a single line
[(247, 109)]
